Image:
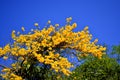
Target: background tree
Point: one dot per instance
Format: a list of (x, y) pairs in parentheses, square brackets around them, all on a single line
[(97, 69), (116, 51)]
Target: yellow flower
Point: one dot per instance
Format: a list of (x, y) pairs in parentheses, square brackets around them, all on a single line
[(36, 24), (96, 40), (6, 70), (22, 52), (13, 34), (86, 28), (50, 48), (57, 55), (48, 22), (6, 48), (5, 57), (41, 59), (23, 29), (74, 25), (56, 25), (15, 77), (20, 58), (69, 19)]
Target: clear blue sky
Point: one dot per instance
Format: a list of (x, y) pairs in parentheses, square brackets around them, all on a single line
[(102, 16)]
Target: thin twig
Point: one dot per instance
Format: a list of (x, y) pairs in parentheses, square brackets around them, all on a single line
[(3, 66)]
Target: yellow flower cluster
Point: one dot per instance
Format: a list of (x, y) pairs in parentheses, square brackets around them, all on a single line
[(5, 50), (10, 75), (42, 45), (59, 64)]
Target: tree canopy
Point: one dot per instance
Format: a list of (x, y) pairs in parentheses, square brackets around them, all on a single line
[(38, 53)]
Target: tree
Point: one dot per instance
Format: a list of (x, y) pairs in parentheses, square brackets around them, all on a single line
[(37, 55), (116, 50), (97, 69)]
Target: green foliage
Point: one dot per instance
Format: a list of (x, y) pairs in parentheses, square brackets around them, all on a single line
[(116, 50), (36, 72), (97, 69)]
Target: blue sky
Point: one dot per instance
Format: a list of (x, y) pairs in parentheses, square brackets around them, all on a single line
[(102, 16)]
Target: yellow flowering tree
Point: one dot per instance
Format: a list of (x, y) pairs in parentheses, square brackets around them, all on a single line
[(39, 51)]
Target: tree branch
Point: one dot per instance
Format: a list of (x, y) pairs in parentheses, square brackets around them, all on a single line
[(3, 66)]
